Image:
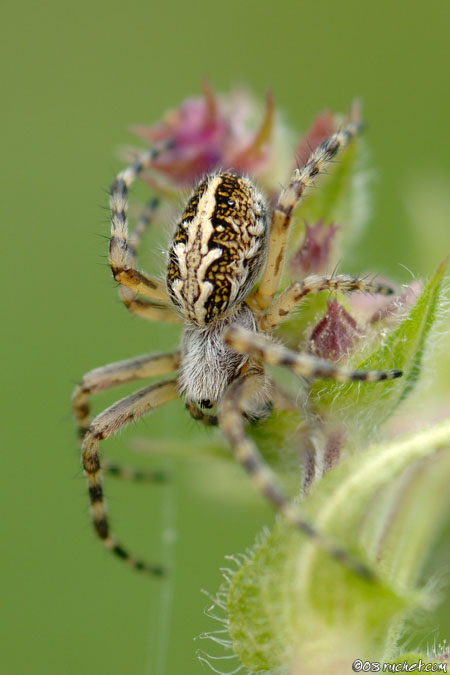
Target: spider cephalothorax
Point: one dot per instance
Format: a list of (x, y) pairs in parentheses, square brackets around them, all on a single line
[(225, 244)]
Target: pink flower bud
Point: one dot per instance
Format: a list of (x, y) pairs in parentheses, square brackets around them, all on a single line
[(210, 133), (335, 334)]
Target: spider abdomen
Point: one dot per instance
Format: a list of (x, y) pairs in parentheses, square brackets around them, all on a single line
[(218, 248)]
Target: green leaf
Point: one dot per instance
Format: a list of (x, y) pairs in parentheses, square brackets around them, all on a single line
[(291, 603), (363, 407)]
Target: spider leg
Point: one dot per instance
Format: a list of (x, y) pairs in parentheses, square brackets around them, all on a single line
[(237, 399), (108, 422), (287, 202), (306, 365), (113, 375), (142, 225), (121, 257), (146, 309), (282, 305)]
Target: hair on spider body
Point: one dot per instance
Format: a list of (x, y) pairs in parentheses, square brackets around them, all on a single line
[(223, 244), (208, 365)]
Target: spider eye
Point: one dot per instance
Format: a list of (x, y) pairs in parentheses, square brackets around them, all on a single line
[(230, 202)]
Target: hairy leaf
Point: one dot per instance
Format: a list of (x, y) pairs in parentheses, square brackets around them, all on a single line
[(362, 407), (291, 603)]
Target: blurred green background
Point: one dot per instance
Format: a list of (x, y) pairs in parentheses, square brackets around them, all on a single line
[(75, 76)]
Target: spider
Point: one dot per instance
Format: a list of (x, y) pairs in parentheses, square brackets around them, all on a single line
[(226, 241)]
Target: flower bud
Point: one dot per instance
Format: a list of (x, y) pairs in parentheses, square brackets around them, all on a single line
[(335, 334)]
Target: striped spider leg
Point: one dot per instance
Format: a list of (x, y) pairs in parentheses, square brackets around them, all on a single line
[(113, 418), (262, 348), (238, 398), (146, 309), (289, 198), (284, 303), (113, 375), (122, 256)]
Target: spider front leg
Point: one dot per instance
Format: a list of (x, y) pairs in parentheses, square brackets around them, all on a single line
[(142, 225), (260, 347), (107, 423), (238, 398), (113, 375), (145, 309), (120, 256), (282, 305), (289, 198)]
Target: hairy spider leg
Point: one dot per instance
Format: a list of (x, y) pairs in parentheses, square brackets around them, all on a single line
[(287, 202), (113, 375), (306, 365), (237, 398), (281, 307), (143, 223), (146, 309), (107, 423), (120, 257)]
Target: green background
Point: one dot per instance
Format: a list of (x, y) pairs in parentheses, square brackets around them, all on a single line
[(74, 77)]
